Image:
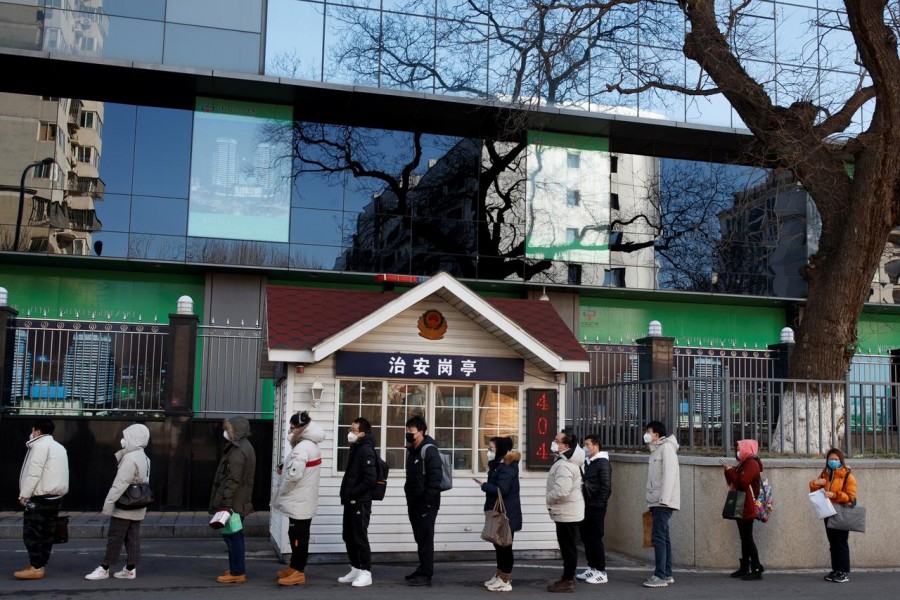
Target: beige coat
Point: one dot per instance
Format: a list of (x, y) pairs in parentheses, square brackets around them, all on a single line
[(565, 500)]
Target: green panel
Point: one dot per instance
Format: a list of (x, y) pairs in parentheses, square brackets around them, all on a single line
[(84, 293), (268, 398), (562, 140), (602, 320), (878, 333)]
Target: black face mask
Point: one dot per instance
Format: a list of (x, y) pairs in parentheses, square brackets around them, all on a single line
[(410, 439)]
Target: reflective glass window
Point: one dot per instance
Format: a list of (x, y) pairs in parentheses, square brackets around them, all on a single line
[(162, 155), (159, 215), (294, 32), (218, 49), (239, 15)]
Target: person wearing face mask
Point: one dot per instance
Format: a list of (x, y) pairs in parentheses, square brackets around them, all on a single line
[(232, 489), (745, 476), (663, 498), (298, 493), (125, 525), (839, 484), (598, 488), (43, 482), (565, 502), (503, 478), (356, 497), (423, 496)]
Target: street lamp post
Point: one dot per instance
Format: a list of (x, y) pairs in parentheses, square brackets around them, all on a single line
[(47, 161)]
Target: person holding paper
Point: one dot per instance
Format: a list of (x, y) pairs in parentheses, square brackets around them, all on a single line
[(839, 485)]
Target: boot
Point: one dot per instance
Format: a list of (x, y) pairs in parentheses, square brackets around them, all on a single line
[(232, 579), (282, 573), (743, 570), (755, 573), (561, 585), (295, 578)]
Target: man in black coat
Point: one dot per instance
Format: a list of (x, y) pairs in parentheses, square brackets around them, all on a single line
[(597, 489), (423, 495), (356, 497)]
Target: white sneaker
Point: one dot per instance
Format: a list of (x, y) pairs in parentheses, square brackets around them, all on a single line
[(351, 576), (97, 574), (491, 581), (598, 577), (125, 573), (501, 586), (364, 579), (589, 572)]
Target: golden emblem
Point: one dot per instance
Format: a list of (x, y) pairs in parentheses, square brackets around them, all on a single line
[(432, 325)]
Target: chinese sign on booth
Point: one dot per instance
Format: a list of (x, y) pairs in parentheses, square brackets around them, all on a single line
[(428, 366)]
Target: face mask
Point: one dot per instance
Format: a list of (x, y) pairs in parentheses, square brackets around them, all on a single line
[(352, 437), (226, 436), (554, 447), (31, 437), (410, 439), (491, 455), (737, 455), (834, 464), (122, 441), (648, 438)]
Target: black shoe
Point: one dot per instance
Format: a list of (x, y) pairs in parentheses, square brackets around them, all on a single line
[(743, 570), (830, 576), (754, 575), (840, 577), (412, 575), (419, 580)]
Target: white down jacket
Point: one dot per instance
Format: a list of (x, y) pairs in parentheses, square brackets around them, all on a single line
[(298, 493), (565, 500), (134, 467), (45, 471)]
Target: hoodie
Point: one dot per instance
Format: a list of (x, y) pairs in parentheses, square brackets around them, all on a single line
[(134, 467), (663, 474), (565, 500), (233, 482), (298, 492), (745, 476)]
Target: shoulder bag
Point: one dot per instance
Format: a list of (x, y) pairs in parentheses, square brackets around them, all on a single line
[(848, 517), (136, 495), (496, 524)]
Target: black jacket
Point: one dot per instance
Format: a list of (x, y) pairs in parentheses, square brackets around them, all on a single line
[(598, 481), (423, 484), (503, 476), (360, 476)]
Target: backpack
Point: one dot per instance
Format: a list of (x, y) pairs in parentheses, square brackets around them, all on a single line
[(381, 474), (765, 502), (446, 468)]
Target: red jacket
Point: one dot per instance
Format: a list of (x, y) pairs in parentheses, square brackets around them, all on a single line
[(745, 476)]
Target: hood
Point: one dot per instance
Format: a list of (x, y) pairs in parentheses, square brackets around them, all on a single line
[(747, 448), (238, 429), (577, 456), (511, 457), (136, 436), (666, 440), (313, 432), (599, 455)]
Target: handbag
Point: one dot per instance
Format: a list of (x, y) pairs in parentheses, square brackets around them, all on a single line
[(233, 525), (734, 505), (496, 524), (61, 532), (136, 495), (848, 517)]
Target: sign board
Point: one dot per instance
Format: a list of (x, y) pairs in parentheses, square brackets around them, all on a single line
[(541, 427), (401, 365)]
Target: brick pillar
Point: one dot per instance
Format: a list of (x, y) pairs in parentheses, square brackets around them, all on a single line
[(181, 354), (783, 353), (7, 351), (656, 357)]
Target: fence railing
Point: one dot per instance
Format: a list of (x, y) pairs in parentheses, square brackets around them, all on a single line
[(75, 367), (229, 372), (707, 413)]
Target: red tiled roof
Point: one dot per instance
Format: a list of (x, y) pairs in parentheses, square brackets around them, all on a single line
[(299, 318)]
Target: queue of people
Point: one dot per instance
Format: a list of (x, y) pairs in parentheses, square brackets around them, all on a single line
[(578, 490)]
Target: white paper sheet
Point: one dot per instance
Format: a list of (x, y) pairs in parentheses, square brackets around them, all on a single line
[(824, 507)]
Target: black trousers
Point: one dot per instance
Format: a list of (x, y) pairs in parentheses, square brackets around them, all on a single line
[(839, 545), (38, 528), (748, 546), (567, 537), (127, 532), (356, 534), (592, 530), (422, 519), (505, 558), (298, 534)]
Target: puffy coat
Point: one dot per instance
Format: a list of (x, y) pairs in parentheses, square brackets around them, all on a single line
[(134, 467), (361, 474), (663, 475), (423, 483), (598, 480), (565, 500), (503, 475), (745, 476), (233, 482), (45, 471), (298, 493), (840, 481)]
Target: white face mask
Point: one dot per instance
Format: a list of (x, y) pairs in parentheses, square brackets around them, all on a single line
[(648, 438), (122, 441), (737, 455), (226, 436), (352, 437), (554, 447), (491, 455)]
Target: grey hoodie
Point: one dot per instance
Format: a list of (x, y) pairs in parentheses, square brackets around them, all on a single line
[(663, 474)]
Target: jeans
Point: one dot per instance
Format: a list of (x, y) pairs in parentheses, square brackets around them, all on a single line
[(504, 557), (298, 534), (748, 546), (38, 529), (566, 536), (662, 545), (838, 544), (592, 530), (235, 544), (422, 519), (356, 534)]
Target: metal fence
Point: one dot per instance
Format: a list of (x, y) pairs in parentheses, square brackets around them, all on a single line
[(229, 370), (708, 412), (75, 367)]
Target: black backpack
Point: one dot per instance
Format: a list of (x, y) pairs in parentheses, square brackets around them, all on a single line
[(381, 475)]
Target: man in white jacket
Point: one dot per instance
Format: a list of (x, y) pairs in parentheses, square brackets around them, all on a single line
[(43, 482), (565, 501), (663, 498)]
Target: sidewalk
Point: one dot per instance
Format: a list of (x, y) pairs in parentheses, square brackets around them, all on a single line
[(93, 525)]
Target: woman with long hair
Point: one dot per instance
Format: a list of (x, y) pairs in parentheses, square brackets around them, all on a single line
[(839, 484)]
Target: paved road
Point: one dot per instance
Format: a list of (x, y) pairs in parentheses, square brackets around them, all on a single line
[(186, 568)]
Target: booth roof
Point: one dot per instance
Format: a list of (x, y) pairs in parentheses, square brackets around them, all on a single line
[(299, 318)]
